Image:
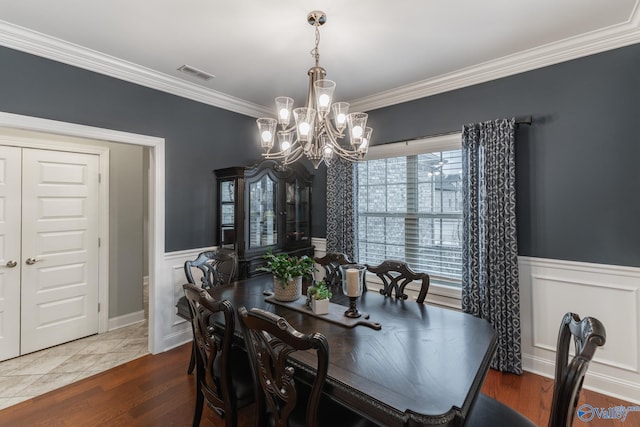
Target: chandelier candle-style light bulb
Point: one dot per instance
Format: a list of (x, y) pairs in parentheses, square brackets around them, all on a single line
[(327, 151), (340, 111), (267, 127), (324, 94), (316, 133), (357, 122), (284, 106), (364, 145), (285, 139), (305, 118)]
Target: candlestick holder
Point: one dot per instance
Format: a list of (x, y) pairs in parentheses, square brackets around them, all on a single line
[(352, 311), (352, 283)]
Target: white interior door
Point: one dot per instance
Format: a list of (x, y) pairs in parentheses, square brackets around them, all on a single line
[(10, 169), (59, 248)]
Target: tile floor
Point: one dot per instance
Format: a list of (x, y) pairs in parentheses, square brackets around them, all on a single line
[(37, 373)]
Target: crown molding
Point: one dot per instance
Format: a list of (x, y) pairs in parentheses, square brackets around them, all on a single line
[(609, 38), (35, 43), (612, 37)]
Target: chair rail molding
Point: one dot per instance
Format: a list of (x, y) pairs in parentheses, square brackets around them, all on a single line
[(549, 288)]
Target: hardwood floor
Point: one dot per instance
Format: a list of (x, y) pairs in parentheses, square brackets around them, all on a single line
[(531, 395), (156, 391)]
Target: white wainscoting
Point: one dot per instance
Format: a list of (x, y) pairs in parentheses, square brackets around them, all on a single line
[(550, 288), (178, 330)]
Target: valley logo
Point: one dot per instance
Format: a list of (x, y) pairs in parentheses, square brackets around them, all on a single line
[(587, 412)]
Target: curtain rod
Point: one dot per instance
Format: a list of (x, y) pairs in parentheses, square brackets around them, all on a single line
[(527, 120)]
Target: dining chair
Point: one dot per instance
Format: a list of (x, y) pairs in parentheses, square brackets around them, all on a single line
[(215, 267), (285, 394), (223, 375), (210, 268), (331, 263), (588, 334), (396, 275)]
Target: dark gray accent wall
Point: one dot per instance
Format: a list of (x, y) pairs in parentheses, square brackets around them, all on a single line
[(199, 138), (577, 173), (578, 179)]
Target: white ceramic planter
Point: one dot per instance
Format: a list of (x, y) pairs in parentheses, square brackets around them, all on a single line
[(320, 306)]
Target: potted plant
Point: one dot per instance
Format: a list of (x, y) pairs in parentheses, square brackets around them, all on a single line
[(287, 274), (318, 297)]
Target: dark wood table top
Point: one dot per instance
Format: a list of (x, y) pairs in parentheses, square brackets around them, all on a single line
[(425, 366)]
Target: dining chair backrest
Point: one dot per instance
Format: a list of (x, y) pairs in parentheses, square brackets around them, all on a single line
[(331, 263), (212, 350), (396, 275), (270, 340), (210, 268), (588, 334), (213, 268)]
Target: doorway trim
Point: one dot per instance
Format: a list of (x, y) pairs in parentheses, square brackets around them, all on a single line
[(156, 194)]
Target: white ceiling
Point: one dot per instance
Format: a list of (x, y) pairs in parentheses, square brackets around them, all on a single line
[(379, 52)]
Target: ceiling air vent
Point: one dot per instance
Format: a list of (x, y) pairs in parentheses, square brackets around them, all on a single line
[(187, 69)]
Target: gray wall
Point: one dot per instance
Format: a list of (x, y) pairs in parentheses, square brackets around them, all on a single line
[(195, 135), (578, 178), (126, 226), (577, 173), (199, 137)]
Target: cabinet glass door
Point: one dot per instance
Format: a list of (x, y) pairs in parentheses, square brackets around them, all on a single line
[(263, 227), (298, 229), (228, 214)]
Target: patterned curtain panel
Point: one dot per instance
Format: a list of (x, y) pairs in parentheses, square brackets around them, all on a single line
[(341, 207), (490, 288)]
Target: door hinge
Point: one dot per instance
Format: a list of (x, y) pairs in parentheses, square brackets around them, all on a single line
[(99, 178), (99, 242), (98, 307)]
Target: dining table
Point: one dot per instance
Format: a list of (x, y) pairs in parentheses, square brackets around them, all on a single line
[(402, 364)]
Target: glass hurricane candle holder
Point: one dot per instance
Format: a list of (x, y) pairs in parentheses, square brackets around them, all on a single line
[(352, 280)]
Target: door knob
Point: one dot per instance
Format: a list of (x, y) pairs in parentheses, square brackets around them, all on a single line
[(31, 261), (11, 263)]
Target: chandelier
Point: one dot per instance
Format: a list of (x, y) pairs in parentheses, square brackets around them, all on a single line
[(319, 127)]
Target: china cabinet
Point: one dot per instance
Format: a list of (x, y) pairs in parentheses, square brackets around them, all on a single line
[(262, 207)]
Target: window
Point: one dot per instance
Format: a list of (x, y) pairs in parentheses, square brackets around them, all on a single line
[(410, 206)]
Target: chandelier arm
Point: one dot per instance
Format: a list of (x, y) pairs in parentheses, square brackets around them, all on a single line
[(347, 154), (289, 129), (332, 132), (294, 149), (294, 156), (337, 147)]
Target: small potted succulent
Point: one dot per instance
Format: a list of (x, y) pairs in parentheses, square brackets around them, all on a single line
[(318, 297), (287, 274)]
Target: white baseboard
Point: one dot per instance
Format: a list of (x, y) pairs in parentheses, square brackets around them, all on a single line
[(126, 320), (178, 338)]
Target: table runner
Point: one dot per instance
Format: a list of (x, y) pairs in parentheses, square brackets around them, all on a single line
[(335, 315)]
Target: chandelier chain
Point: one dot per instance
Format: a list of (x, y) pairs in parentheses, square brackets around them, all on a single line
[(315, 52)]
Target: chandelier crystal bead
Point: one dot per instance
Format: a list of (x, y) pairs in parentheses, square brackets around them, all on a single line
[(318, 131)]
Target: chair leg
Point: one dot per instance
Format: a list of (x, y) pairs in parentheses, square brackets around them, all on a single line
[(192, 360), (199, 403)]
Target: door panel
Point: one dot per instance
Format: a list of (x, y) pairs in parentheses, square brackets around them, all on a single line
[(10, 159), (59, 248)]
